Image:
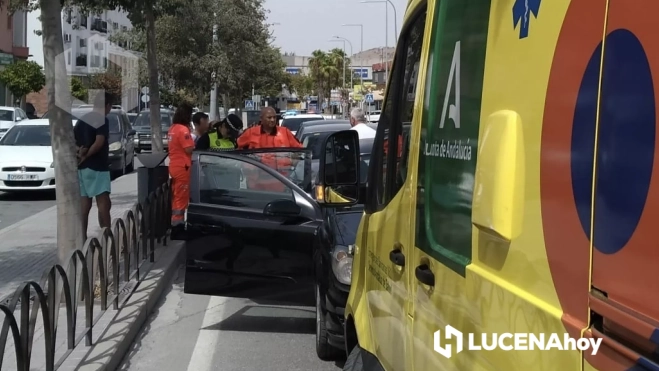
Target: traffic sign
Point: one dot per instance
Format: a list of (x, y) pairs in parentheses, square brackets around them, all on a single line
[(145, 98), (368, 98), (249, 104), (145, 90)]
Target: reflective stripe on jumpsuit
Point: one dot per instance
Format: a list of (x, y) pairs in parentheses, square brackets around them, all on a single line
[(180, 192)]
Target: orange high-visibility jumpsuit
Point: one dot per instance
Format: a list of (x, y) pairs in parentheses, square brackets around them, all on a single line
[(180, 163), (281, 137)]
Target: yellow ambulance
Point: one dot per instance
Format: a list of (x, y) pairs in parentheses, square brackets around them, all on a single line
[(511, 210)]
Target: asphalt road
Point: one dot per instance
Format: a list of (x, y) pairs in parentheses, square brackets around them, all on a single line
[(201, 333), (16, 206)]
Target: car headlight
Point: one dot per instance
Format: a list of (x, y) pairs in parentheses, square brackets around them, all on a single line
[(342, 264), (115, 146)]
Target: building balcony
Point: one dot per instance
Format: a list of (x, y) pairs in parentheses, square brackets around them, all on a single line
[(100, 26), (20, 52)]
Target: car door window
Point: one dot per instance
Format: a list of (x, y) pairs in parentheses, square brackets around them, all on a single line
[(396, 118), (232, 182)]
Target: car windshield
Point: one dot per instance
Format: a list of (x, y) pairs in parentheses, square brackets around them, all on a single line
[(27, 135), (113, 118), (347, 224), (6, 115), (293, 123), (293, 164), (143, 120)]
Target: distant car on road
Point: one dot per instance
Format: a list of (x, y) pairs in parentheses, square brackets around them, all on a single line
[(314, 127), (293, 123), (142, 126), (10, 116), (26, 157), (373, 116)]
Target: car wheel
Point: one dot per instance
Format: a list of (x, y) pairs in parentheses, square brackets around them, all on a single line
[(130, 167), (324, 350), (354, 361)]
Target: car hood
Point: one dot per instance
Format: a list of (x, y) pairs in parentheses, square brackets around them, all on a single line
[(22, 155), (142, 129), (6, 124)]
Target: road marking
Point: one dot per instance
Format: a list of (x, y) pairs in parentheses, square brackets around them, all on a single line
[(207, 340)]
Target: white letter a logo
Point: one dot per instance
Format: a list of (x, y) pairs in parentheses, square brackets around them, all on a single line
[(453, 78)]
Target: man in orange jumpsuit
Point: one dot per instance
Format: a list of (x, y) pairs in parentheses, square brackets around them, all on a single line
[(267, 134), (181, 146)]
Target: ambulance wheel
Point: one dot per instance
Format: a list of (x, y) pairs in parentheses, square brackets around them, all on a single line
[(354, 361)]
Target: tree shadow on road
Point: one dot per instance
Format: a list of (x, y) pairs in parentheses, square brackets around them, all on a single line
[(28, 196)]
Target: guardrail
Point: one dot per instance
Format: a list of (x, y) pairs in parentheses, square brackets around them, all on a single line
[(130, 242)]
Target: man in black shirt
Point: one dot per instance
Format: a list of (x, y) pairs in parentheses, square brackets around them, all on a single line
[(91, 135)]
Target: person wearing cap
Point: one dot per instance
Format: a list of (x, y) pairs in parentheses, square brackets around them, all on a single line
[(221, 137)]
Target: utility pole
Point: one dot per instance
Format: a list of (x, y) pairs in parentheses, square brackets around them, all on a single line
[(213, 113)]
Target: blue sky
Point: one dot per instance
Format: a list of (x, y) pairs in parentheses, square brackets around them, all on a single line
[(305, 25)]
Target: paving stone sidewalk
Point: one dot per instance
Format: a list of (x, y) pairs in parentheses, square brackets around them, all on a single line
[(29, 247)]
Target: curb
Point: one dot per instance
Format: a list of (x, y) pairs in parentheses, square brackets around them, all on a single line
[(117, 330)]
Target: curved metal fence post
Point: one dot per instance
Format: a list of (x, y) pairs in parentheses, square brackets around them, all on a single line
[(75, 281)]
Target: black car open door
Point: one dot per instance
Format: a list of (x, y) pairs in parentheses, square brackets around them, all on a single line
[(251, 226)]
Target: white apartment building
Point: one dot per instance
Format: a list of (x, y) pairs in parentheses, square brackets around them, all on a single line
[(85, 39)]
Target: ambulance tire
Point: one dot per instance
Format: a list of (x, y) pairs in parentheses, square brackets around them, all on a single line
[(354, 361), (324, 350)]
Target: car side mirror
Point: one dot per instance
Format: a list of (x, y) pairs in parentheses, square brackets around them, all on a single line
[(282, 208), (18, 119), (131, 133), (338, 171)]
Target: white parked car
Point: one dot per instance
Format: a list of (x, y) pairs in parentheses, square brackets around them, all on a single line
[(9, 116), (293, 123), (26, 157), (373, 116)]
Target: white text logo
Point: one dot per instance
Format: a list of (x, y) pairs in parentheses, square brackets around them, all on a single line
[(508, 341)]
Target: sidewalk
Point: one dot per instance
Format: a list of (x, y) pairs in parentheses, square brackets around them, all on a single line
[(29, 247)]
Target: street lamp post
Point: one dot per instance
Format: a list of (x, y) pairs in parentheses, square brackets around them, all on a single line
[(349, 43), (361, 51), (386, 25), (213, 108)]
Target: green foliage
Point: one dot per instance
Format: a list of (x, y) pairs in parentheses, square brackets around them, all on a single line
[(302, 85), (176, 98), (110, 82), (23, 77), (78, 89)]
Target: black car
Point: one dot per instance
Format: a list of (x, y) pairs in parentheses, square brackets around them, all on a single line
[(255, 230), (143, 127), (121, 140), (315, 126)]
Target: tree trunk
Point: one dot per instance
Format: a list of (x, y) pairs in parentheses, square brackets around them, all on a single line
[(154, 89), (69, 216), (226, 102)]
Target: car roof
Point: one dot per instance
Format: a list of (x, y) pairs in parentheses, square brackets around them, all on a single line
[(35, 122), (325, 128), (306, 124), (8, 108), (305, 115)]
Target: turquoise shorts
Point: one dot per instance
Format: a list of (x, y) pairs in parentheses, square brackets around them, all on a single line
[(93, 183)]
